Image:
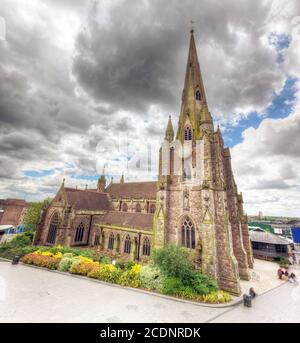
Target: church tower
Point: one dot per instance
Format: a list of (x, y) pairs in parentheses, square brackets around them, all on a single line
[(198, 205)]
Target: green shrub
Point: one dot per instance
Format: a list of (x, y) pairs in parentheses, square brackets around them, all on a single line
[(188, 293), (29, 249), (151, 277), (129, 264), (65, 263), (109, 273), (216, 297), (171, 285), (16, 245), (124, 264), (88, 253), (202, 284), (104, 260), (181, 277), (173, 261), (131, 277), (283, 262)]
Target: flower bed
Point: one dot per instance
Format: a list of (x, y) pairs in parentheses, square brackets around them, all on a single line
[(49, 261), (182, 281)]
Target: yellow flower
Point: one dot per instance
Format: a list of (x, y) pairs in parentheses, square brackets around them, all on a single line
[(136, 268), (85, 259)]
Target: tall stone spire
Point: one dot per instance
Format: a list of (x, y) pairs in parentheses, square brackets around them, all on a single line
[(194, 109), (169, 135)]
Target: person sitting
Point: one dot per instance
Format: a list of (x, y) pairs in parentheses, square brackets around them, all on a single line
[(252, 293), (285, 275), (293, 278)]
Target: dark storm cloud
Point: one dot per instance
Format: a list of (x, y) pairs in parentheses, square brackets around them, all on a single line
[(66, 89), (137, 58)]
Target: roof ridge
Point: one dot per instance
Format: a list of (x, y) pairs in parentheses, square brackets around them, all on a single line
[(84, 190)]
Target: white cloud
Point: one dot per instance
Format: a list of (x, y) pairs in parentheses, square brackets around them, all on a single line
[(57, 122)]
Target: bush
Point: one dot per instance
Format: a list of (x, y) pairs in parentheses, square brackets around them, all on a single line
[(29, 249), (65, 263), (50, 262), (171, 285), (216, 297), (151, 277), (173, 261), (16, 245), (188, 293), (125, 264), (83, 268), (105, 260), (74, 251), (109, 273), (131, 277), (284, 262), (202, 284)]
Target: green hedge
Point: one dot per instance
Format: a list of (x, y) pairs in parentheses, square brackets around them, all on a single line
[(19, 245)]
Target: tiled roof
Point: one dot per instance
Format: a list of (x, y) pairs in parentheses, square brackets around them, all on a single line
[(132, 190), (128, 219), (11, 215), (87, 200), (267, 237)]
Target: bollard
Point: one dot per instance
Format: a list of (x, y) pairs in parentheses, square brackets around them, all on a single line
[(15, 260), (247, 300)]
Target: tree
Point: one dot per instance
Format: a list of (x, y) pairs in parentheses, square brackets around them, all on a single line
[(33, 212)]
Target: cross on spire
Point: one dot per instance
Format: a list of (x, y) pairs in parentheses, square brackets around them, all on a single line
[(192, 25)]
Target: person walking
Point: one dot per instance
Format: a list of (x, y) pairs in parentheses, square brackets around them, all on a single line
[(252, 293)]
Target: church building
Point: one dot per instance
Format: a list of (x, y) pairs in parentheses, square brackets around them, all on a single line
[(194, 203)]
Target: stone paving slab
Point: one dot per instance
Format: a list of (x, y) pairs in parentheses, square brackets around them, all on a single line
[(35, 295)]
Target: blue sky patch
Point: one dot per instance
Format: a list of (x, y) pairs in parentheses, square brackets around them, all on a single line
[(38, 173), (281, 106), (85, 177), (279, 42)]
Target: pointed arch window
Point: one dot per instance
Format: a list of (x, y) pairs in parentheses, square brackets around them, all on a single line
[(124, 207), (152, 208), (198, 95), (51, 237), (188, 234), (79, 233), (127, 245), (111, 241), (138, 208), (187, 134), (146, 246)]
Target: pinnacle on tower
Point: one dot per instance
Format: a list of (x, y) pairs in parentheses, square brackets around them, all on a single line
[(122, 179), (101, 182), (169, 135)]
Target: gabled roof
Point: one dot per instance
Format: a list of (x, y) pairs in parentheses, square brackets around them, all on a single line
[(128, 219), (267, 237), (87, 200), (132, 190)]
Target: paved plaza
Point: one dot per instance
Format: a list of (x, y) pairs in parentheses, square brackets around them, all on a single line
[(33, 295)]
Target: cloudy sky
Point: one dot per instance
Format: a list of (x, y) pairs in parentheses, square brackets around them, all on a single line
[(90, 83)]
